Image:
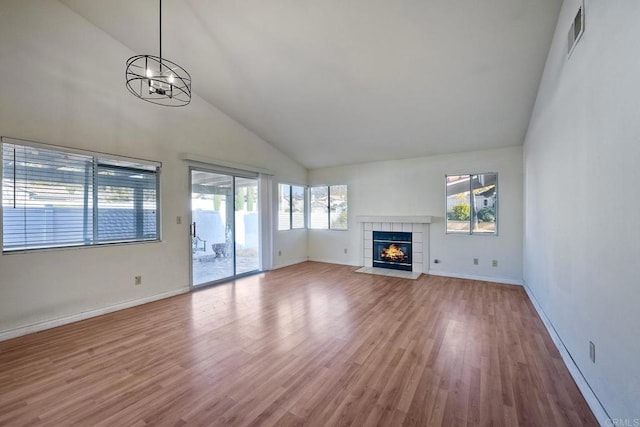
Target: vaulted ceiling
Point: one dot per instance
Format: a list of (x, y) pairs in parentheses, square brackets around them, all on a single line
[(337, 82)]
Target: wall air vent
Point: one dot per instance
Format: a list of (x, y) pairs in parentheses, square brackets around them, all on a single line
[(576, 30)]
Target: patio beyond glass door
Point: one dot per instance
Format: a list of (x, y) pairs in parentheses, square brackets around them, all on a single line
[(225, 239), (247, 233)]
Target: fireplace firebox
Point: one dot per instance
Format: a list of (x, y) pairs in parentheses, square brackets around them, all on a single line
[(392, 249)]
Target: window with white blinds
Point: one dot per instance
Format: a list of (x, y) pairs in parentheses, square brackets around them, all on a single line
[(53, 197)]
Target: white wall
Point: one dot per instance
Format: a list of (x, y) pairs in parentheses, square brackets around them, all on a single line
[(63, 83), (290, 248), (583, 145), (417, 187)]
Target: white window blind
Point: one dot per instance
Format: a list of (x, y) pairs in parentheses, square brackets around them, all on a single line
[(56, 198)]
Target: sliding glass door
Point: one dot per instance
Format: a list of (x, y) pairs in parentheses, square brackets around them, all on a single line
[(225, 237)]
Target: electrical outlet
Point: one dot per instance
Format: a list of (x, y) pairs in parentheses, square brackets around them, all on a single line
[(345, 250), (494, 263), (475, 261), (592, 351), (279, 253), (178, 220), (138, 280)]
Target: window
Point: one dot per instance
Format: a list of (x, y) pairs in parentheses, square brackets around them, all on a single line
[(328, 206), (297, 207), (55, 197), (291, 200), (472, 204), (577, 29)]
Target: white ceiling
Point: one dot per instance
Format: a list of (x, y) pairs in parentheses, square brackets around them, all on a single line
[(334, 82)]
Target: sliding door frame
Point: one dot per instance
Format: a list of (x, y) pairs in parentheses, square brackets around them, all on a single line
[(233, 174)]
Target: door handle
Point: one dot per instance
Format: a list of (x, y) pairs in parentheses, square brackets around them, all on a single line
[(194, 229)]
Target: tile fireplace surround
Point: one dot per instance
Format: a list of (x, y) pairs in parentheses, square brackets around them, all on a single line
[(417, 225)]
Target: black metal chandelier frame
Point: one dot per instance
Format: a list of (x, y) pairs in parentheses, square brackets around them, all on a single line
[(158, 80)]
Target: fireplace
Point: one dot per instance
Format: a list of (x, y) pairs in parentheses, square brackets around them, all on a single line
[(417, 226), (392, 249)]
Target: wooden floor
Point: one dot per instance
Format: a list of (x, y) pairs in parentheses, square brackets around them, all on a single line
[(312, 344)]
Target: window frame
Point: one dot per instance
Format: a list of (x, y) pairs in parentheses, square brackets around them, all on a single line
[(573, 38), (496, 206), (98, 161), (304, 213), (328, 206)]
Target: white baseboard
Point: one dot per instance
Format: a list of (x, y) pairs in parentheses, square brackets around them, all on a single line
[(474, 277), (335, 261), (288, 262), (48, 324), (592, 400)]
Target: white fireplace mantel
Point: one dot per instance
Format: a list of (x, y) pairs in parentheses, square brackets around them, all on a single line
[(420, 219)]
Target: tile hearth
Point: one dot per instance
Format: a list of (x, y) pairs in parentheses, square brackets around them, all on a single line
[(413, 275)]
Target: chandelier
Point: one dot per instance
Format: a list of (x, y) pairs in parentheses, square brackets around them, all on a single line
[(158, 80)]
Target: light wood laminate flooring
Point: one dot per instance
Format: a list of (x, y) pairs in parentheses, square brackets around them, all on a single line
[(310, 344)]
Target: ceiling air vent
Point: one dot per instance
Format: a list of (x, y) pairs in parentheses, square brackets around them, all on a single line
[(577, 28)]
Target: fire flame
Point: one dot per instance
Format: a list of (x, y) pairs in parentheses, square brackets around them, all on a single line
[(393, 253)]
